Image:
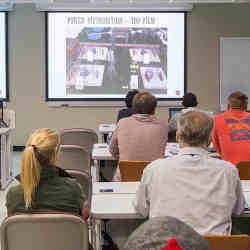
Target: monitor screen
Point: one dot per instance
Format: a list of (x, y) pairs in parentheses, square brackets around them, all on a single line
[(102, 55), (4, 93), (173, 111)]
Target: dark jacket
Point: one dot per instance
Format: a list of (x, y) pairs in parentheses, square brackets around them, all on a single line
[(123, 113), (55, 192)]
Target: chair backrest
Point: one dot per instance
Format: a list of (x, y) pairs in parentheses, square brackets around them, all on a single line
[(74, 157), (228, 242), (85, 138), (85, 180), (244, 170), (44, 231), (132, 170)]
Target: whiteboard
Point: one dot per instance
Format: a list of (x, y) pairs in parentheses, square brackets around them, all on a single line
[(234, 67)]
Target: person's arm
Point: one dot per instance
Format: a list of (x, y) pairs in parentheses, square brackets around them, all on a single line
[(9, 203), (141, 202), (14, 200), (240, 199), (113, 147), (215, 141), (83, 200), (80, 197)]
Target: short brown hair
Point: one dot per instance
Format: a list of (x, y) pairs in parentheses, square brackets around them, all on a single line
[(238, 101), (144, 103), (194, 128)]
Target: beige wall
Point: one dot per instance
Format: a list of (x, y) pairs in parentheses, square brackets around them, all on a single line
[(205, 24)]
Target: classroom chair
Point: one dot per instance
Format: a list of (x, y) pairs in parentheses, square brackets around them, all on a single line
[(74, 157), (85, 180), (44, 231), (85, 138), (228, 242), (132, 170), (244, 170)]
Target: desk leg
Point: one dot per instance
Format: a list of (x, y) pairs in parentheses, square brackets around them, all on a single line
[(96, 236), (98, 171), (93, 232)]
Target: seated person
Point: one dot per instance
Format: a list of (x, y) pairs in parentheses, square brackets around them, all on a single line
[(123, 113), (159, 232), (44, 187), (200, 190), (231, 134), (189, 103), (140, 137)]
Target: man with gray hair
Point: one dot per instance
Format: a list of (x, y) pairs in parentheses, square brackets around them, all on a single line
[(200, 190)]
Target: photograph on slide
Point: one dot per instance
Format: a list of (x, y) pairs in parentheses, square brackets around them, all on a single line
[(99, 57)]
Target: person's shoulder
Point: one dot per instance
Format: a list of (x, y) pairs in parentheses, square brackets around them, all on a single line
[(61, 185), (223, 165), (125, 120), (220, 117), (17, 188), (222, 114), (155, 164), (15, 191)]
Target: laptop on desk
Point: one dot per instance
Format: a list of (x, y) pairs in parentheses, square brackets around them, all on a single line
[(246, 191)]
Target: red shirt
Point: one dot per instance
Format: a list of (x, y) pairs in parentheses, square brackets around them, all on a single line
[(231, 136)]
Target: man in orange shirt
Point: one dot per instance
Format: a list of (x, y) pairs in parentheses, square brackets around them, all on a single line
[(231, 135)]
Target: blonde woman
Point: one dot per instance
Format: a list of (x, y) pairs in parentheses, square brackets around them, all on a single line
[(44, 186)]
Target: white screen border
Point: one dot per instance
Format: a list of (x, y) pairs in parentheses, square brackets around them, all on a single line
[(4, 86), (55, 102)]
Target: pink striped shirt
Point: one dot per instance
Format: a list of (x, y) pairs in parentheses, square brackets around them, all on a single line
[(139, 137)]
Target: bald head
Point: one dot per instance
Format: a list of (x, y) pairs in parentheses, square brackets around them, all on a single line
[(194, 128)]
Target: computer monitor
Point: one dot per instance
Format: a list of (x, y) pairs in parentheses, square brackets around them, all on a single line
[(173, 111)]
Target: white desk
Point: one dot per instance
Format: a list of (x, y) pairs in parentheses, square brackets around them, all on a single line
[(114, 205), (5, 155), (106, 128), (101, 151), (103, 188)]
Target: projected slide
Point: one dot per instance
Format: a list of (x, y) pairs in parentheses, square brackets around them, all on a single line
[(3, 52), (103, 55)]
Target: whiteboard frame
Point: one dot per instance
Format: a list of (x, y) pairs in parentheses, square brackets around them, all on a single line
[(223, 106)]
